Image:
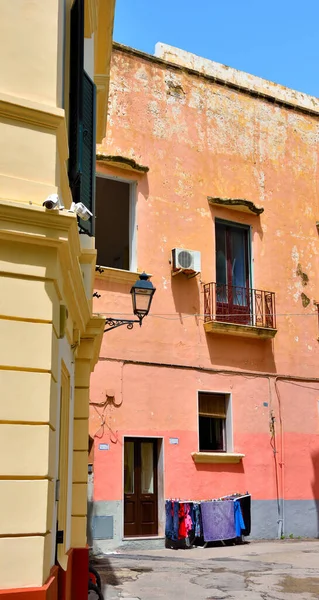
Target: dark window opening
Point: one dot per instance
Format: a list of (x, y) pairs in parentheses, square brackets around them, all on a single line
[(232, 273), (112, 226), (212, 422)]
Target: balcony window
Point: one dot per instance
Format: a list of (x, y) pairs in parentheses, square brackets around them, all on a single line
[(231, 300), (232, 272)]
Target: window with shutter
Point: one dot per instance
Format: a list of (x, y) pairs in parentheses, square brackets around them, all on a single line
[(212, 414), (81, 121)]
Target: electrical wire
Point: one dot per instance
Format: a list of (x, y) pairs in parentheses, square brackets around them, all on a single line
[(203, 316)]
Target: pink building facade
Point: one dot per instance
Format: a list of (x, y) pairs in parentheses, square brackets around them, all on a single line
[(218, 391)]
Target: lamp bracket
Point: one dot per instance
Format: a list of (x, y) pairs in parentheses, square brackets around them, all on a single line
[(114, 323)]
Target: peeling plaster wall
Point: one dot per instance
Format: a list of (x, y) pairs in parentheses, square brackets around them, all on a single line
[(200, 139)]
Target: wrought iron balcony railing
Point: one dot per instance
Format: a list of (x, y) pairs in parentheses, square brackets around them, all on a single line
[(239, 305)]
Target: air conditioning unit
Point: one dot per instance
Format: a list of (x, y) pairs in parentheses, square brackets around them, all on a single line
[(186, 261)]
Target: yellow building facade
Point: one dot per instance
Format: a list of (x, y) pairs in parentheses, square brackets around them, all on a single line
[(50, 340)]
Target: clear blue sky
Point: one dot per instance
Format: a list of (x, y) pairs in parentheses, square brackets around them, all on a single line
[(274, 39)]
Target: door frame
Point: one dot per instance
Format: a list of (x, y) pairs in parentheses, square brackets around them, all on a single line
[(160, 485)]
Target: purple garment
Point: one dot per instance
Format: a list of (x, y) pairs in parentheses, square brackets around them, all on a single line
[(218, 520)]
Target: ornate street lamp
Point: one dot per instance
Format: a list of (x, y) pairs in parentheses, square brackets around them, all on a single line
[(142, 293)]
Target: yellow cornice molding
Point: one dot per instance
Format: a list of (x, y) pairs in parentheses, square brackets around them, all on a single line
[(95, 330), (101, 80), (57, 229), (28, 111), (37, 114), (102, 60)]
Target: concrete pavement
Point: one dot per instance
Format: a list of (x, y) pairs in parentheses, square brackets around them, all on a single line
[(277, 570)]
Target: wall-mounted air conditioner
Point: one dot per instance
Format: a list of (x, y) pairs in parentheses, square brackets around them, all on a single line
[(186, 261)]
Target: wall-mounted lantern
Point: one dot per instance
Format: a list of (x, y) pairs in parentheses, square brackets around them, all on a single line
[(142, 293)]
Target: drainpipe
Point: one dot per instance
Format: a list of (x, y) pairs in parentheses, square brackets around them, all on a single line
[(272, 421), (281, 516)]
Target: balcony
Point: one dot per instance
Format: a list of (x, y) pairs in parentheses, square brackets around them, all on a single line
[(239, 311)]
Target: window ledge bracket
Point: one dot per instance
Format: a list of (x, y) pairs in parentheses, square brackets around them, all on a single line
[(217, 457)]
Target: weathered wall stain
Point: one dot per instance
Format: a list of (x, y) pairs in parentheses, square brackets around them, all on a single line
[(303, 276), (305, 300)]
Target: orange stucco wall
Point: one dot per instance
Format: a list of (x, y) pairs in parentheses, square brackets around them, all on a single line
[(201, 139)]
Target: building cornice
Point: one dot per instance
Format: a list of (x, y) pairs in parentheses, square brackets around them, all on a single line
[(41, 116), (56, 229), (236, 80)]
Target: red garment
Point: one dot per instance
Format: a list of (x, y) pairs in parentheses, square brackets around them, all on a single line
[(182, 534)]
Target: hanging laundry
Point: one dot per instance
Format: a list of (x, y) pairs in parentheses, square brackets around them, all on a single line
[(182, 525), (218, 518), (188, 520), (245, 505), (169, 531), (197, 520), (229, 517), (175, 520), (239, 521)]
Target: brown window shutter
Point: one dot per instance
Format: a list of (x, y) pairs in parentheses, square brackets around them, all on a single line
[(212, 405)]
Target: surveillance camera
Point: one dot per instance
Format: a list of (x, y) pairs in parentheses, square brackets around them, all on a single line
[(80, 209), (52, 202)]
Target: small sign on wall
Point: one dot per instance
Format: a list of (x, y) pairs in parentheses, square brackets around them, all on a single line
[(104, 446), (174, 441)]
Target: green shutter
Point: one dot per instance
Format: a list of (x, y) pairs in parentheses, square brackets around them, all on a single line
[(81, 121), (76, 94), (87, 192)]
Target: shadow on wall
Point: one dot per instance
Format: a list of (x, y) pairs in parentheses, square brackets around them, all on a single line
[(221, 468), (186, 294), (315, 484), (241, 353)]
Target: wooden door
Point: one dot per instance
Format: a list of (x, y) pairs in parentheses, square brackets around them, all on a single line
[(140, 487)]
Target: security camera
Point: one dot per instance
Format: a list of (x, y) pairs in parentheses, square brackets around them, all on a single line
[(80, 209), (52, 202)]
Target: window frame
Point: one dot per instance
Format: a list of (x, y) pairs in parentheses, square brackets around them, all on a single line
[(247, 228), (228, 428), (132, 219)]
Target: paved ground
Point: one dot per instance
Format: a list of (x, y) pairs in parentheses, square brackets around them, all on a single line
[(280, 570)]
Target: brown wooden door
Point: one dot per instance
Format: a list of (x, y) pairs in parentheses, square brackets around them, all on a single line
[(140, 487)]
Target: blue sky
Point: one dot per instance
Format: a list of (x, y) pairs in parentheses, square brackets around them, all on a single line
[(276, 40)]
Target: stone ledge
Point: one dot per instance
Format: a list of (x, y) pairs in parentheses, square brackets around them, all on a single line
[(122, 162), (217, 457), (236, 204), (240, 330)]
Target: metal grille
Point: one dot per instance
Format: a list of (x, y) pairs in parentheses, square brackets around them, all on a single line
[(185, 259), (239, 305)]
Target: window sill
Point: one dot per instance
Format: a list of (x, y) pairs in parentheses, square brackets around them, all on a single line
[(241, 330), (217, 457), (117, 275)]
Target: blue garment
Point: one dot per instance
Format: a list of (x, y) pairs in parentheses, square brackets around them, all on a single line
[(239, 521), (197, 520), (169, 520)]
